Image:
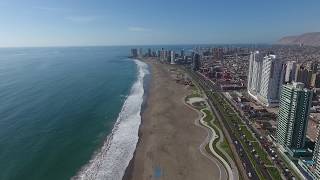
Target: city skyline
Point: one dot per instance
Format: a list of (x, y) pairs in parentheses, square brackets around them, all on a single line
[(64, 23)]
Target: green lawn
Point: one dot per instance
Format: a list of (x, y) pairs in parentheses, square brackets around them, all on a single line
[(208, 117), (216, 123), (247, 133), (252, 159), (214, 145), (274, 172), (262, 153), (226, 147), (231, 117)]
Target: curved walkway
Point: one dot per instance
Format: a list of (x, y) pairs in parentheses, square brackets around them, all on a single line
[(205, 153), (230, 160), (223, 174), (214, 136)]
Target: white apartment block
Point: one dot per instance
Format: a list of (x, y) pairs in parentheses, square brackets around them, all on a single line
[(265, 78)]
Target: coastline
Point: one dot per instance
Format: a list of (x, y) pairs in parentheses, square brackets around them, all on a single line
[(147, 80), (154, 160), (119, 146)]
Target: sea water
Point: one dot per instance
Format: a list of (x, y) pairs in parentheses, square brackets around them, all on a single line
[(70, 112)]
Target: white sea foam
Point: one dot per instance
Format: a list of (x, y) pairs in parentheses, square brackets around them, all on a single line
[(111, 161)]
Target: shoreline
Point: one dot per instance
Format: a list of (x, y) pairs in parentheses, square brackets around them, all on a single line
[(154, 160), (119, 146), (147, 80)]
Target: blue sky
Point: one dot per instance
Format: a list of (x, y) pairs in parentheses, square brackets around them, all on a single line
[(134, 22)]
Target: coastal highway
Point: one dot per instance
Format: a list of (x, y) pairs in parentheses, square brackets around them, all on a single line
[(208, 87)]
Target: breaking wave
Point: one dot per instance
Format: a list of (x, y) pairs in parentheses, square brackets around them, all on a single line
[(111, 161)]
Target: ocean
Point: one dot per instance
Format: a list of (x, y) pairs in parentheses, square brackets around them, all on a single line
[(68, 112)]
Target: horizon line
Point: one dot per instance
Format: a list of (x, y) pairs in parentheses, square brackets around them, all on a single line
[(139, 45)]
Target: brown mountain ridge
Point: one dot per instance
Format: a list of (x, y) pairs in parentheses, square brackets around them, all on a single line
[(309, 39)]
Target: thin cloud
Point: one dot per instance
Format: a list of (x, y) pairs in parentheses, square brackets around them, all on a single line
[(138, 29), (51, 9), (81, 19)]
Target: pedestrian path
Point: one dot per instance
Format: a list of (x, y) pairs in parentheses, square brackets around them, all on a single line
[(214, 136)]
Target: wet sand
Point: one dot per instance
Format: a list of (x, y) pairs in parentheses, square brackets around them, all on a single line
[(168, 147)]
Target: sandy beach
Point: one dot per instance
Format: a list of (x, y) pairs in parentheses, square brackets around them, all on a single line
[(169, 145)]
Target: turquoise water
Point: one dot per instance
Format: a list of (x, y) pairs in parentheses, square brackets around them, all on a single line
[(57, 106)]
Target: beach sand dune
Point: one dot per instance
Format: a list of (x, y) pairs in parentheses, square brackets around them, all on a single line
[(168, 148)]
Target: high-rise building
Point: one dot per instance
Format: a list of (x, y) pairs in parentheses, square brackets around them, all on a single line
[(316, 156), (219, 55), (140, 52), (293, 115), (182, 53), (196, 62), (172, 57), (163, 55), (149, 52), (134, 53), (290, 71), (265, 78), (316, 80), (314, 67), (304, 75), (271, 81), (255, 72), (298, 67)]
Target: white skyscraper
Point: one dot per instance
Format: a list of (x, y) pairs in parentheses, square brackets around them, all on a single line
[(265, 78), (290, 73), (255, 71), (271, 80), (172, 57), (163, 55)]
